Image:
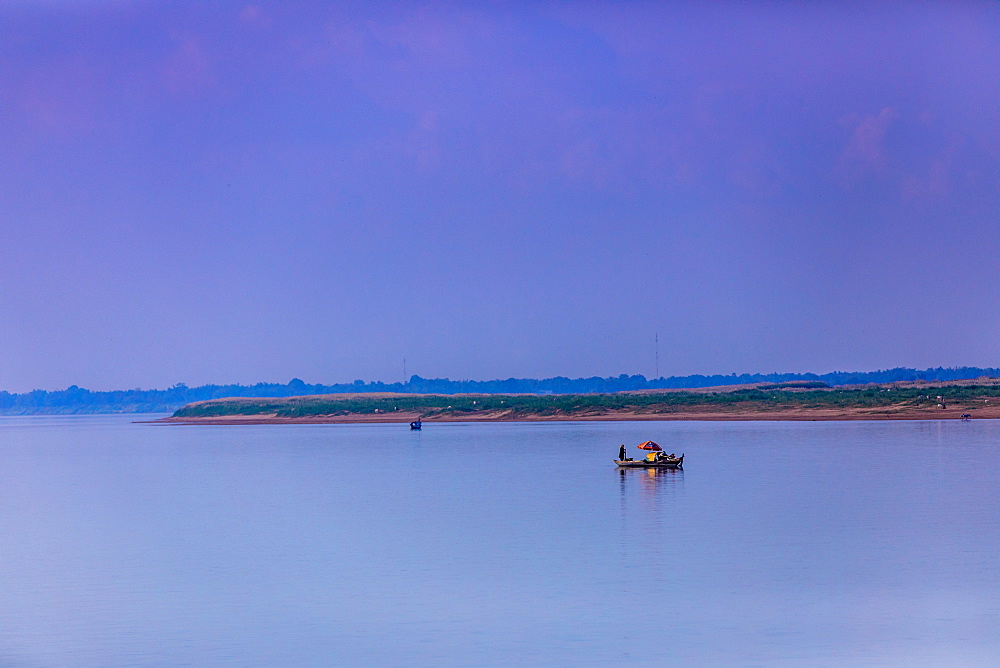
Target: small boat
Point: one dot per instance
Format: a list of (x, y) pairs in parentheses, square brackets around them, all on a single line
[(655, 458), (416, 424), (657, 462)]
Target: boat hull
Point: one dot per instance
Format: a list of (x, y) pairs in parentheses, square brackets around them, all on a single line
[(645, 464)]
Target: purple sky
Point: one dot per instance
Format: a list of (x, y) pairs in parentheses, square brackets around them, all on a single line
[(217, 192)]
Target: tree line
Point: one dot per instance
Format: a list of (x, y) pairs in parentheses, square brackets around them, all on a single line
[(76, 399)]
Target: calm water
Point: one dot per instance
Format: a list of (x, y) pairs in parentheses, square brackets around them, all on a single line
[(868, 543)]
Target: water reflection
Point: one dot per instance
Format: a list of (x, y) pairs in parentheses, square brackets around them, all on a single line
[(652, 477), (647, 512), (651, 484)]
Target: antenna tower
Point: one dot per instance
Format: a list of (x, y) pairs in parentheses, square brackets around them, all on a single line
[(656, 337)]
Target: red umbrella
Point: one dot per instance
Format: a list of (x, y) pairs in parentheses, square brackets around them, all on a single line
[(649, 445)]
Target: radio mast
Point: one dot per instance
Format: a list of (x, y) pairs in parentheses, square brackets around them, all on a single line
[(656, 337)]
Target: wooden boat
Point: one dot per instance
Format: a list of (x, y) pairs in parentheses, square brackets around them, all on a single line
[(659, 463)]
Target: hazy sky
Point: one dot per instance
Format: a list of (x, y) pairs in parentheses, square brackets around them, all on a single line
[(224, 192)]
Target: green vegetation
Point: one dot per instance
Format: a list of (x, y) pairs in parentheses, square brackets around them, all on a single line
[(512, 406)]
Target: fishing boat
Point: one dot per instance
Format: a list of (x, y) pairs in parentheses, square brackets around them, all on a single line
[(416, 424), (663, 462), (654, 459)]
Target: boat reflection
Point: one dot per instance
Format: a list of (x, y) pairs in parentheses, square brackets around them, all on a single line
[(649, 502), (651, 477), (651, 482)]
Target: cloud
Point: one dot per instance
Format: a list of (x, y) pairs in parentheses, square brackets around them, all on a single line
[(253, 15), (187, 69), (61, 97), (935, 183), (865, 153)]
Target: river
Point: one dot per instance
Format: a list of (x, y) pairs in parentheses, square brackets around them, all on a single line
[(780, 543)]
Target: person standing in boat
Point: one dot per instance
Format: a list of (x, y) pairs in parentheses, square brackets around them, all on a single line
[(621, 453)]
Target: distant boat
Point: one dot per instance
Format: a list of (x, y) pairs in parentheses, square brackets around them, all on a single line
[(416, 424)]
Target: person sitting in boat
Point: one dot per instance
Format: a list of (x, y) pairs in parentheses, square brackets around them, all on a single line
[(653, 456)]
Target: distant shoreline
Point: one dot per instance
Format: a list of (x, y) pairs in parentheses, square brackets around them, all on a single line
[(796, 415), (76, 400), (796, 401)]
